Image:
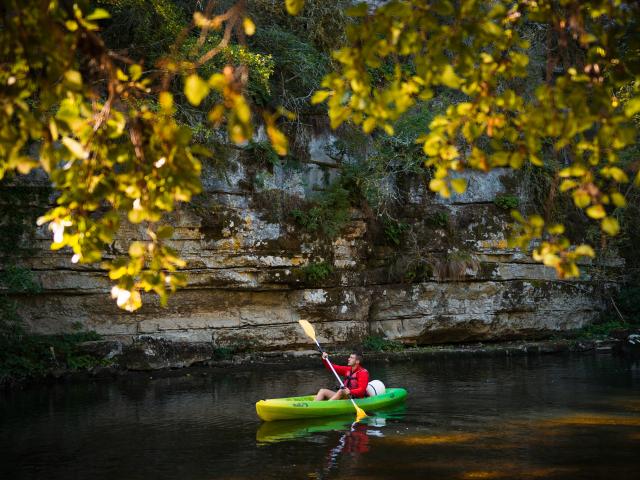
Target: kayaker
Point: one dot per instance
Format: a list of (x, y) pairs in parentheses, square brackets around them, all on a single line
[(355, 381)]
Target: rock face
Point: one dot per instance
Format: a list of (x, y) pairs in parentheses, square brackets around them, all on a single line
[(448, 278)]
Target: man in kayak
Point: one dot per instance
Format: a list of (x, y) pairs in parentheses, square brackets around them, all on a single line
[(355, 381)]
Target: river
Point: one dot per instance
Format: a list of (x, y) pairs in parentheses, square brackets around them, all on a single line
[(551, 416)]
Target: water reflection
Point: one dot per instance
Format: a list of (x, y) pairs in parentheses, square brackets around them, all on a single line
[(283, 430), (537, 417), (353, 439)]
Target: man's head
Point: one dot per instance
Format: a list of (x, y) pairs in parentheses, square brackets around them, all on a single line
[(354, 359)]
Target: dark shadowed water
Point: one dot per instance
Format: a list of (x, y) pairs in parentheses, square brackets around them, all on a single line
[(537, 417)]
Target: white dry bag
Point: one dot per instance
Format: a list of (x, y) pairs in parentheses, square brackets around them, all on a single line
[(375, 387)]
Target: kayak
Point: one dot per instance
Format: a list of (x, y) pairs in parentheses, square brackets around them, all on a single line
[(306, 407)]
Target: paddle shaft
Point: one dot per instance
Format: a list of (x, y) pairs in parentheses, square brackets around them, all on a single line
[(335, 373)]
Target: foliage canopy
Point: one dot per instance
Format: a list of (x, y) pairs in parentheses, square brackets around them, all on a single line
[(110, 133)]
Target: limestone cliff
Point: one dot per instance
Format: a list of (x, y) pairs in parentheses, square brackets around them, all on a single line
[(452, 279)]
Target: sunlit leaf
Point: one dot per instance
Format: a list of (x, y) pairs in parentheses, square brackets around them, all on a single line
[(585, 251), (294, 6), (596, 211), (610, 226), (195, 89), (98, 14), (75, 148), (320, 96), (249, 26), (459, 185)]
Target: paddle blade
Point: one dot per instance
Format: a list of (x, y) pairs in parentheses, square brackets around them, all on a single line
[(360, 414), (308, 329)]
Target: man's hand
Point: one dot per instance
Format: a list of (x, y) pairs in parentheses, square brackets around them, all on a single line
[(346, 391), (325, 355)]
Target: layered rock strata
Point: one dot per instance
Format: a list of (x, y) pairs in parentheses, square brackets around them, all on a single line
[(449, 278)]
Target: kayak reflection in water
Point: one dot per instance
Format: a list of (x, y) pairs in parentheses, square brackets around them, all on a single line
[(355, 382)]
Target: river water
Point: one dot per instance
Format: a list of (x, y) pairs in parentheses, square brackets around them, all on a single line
[(563, 417)]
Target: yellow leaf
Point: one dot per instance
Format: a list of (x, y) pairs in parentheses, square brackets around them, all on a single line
[(294, 6), (166, 101), (217, 81), (195, 89), (135, 71), (249, 26), (279, 141), (610, 226), (53, 128), (122, 76), (320, 96), (568, 185), (581, 198), (71, 25), (536, 160), (368, 125), (73, 78), (136, 249), (557, 229), (98, 14), (618, 174), (431, 145), (216, 114), (25, 164), (449, 78), (550, 260), (437, 184), (449, 152), (584, 251), (242, 110), (536, 221), (618, 199), (596, 211), (75, 148), (459, 185)]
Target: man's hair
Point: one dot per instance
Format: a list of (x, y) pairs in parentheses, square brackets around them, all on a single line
[(359, 356)]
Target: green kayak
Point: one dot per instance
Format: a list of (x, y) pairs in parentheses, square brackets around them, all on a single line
[(305, 407)]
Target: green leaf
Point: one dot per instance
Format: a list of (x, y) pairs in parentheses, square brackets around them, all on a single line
[(195, 89), (165, 232), (359, 10), (632, 107)]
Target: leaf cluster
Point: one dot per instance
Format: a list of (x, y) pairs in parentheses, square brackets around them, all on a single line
[(479, 51)]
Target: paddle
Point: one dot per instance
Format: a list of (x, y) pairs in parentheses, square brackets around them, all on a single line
[(311, 333)]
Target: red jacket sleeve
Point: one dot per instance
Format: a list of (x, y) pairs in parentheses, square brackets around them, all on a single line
[(363, 381), (342, 371)]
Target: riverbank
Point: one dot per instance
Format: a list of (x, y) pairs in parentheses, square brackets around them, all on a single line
[(159, 358)]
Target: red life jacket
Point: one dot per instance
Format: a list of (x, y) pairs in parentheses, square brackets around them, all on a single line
[(356, 381)]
